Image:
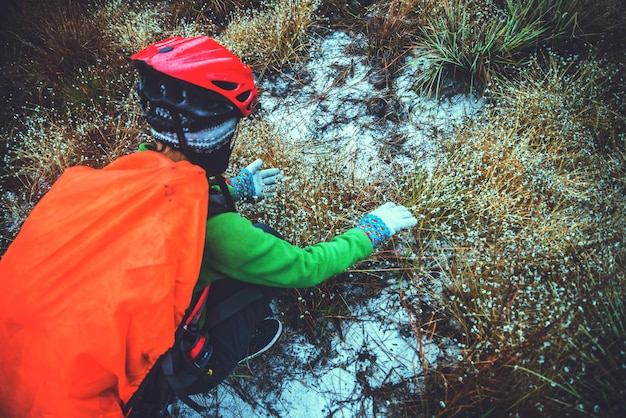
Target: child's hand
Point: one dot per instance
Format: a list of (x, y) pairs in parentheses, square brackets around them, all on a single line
[(253, 182), (383, 222), (265, 181)]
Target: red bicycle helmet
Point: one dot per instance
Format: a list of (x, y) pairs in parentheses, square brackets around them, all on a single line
[(203, 62)]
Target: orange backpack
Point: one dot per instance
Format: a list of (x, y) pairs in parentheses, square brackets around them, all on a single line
[(95, 284)]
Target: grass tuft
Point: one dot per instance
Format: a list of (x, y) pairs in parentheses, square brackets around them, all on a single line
[(272, 37), (391, 28), (483, 41), (533, 202), (47, 46), (133, 25)]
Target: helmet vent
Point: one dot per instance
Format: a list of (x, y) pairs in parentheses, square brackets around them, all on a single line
[(189, 69), (225, 85), (244, 96)]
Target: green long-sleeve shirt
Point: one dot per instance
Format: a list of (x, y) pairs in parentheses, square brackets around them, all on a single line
[(235, 248)]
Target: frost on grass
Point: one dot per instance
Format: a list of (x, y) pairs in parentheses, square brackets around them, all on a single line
[(273, 36), (529, 197), (524, 201), (342, 142), (49, 142), (133, 26)]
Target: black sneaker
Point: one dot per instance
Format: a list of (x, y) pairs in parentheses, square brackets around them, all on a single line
[(264, 338)]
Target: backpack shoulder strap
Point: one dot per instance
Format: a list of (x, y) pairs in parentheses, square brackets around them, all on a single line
[(220, 199)]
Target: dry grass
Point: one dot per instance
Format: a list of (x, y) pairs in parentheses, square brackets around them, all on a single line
[(480, 41), (132, 25), (46, 143), (391, 28), (318, 197), (522, 222), (273, 37), (49, 44), (533, 204)]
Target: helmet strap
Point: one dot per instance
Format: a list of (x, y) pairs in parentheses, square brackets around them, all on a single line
[(180, 134)]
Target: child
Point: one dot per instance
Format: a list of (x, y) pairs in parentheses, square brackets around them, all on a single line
[(193, 93)]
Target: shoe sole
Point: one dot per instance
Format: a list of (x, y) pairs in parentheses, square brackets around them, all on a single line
[(267, 347)]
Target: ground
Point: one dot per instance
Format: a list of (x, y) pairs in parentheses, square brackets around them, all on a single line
[(370, 358)]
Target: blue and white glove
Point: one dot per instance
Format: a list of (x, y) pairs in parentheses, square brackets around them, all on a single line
[(253, 182), (383, 222)]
